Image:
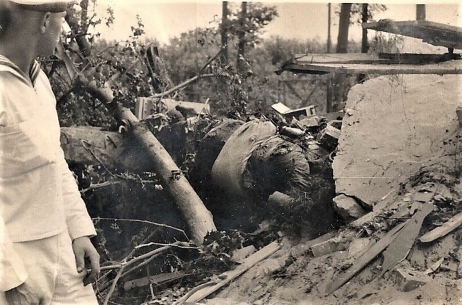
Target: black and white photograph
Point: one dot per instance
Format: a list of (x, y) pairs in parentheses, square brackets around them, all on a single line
[(230, 152)]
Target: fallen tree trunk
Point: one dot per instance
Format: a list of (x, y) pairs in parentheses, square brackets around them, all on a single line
[(196, 215), (198, 218)]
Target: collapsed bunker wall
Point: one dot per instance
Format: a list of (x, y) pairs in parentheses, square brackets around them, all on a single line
[(393, 126)]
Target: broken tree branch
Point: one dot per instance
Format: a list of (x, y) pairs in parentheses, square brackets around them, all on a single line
[(142, 221), (182, 85)]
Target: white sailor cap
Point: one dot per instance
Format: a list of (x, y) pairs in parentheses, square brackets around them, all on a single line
[(44, 5)]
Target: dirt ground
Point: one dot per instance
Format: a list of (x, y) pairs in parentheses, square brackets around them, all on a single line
[(400, 136)]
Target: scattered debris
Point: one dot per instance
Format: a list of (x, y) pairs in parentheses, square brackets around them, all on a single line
[(295, 113), (228, 276), (361, 262)]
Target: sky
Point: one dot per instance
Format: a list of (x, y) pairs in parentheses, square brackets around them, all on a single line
[(300, 20)]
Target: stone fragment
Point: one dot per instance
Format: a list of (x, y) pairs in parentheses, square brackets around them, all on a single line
[(459, 114), (357, 246), (311, 121), (348, 208), (327, 247), (241, 254), (409, 280)]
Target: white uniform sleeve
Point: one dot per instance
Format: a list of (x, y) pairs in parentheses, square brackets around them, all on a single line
[(78, 221), (12, 270)]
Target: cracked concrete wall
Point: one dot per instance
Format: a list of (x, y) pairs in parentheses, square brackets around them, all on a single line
[(393, 126)]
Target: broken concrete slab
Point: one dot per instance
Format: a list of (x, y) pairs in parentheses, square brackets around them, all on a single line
[(407, 280), (391, 131), (348, 208)]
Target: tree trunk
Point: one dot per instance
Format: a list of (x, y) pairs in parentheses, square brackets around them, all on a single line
[(364, 43), (420, 12), (224, 34), (82, 42), (198, 218), (329, 39), (364, 19), (241, 37), (344, 25)]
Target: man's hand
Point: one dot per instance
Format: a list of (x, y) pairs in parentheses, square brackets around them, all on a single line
[(84, 250), (24, 294)]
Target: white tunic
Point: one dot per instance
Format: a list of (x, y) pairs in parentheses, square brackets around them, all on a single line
[(38, 194)]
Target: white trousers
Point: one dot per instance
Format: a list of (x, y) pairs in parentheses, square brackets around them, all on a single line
[(50, 264)]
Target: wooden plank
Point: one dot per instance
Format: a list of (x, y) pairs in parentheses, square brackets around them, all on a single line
[(228, 276), (335, 58), (362, 58), (365, 259), (155, 279), (400, 247), (434, 33), (446, 228), (449, 67)]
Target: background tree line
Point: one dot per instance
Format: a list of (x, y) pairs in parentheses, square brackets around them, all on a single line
[(241, 62)]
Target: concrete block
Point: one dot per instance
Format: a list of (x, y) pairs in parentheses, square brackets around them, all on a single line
[(348, 208), (407, 280)]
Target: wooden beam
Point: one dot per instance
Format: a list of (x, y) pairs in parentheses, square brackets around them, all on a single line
[(446, 228), (405, 239), (449, 67), (438, 34)]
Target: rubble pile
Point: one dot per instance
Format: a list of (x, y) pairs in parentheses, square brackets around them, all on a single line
[(397, 173)]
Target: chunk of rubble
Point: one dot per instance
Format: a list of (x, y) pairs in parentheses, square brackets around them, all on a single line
[(358, 246), (241, 254), (329, 246), (459, 114), (408, 280), (348, 208), (328, 137)]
